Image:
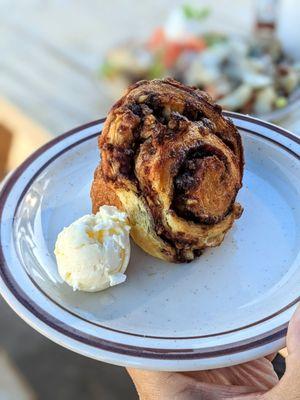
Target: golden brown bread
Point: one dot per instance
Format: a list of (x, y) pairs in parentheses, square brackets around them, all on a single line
[(174, 163)]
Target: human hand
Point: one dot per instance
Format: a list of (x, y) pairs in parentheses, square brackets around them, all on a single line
[(254, 380)]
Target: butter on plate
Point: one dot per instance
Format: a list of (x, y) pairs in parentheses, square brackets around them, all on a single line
[(93, 252)]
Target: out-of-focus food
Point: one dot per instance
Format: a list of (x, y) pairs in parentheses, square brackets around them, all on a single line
[(239, 73), (93, 252)]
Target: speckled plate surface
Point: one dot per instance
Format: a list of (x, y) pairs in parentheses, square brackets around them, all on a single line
[(229, 306)]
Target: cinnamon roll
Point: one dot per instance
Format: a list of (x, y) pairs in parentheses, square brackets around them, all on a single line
[(174, 163)]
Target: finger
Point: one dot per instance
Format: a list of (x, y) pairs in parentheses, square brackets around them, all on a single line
[(293, 348), (289, 386), (293, 337), (271, 357), (179, 386), (258, 374), (146, 383), (160, 385)]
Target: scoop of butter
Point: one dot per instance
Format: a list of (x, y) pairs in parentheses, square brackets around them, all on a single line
[(93, 252)]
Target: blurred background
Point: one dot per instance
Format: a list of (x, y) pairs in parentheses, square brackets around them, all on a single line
[(64, 62)]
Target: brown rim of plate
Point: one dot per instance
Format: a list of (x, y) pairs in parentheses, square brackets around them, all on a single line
[(165, 354)]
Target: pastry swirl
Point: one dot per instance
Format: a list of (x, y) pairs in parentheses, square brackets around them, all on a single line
[(174, 163)]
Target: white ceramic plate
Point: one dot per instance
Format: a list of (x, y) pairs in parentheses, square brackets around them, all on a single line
[(229, 306)]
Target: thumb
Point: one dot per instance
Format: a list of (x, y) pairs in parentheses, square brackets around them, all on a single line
[(289, 386), (293, 347)]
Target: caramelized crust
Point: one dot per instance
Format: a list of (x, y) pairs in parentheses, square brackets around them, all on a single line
[(174, 163)]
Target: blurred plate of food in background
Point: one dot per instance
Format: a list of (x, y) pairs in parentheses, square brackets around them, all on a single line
[(242, 74)]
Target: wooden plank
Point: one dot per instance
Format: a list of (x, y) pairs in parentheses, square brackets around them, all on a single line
[(45, 87), (20, 136)]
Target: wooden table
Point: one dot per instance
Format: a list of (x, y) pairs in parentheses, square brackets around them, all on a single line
[(50, 51)]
